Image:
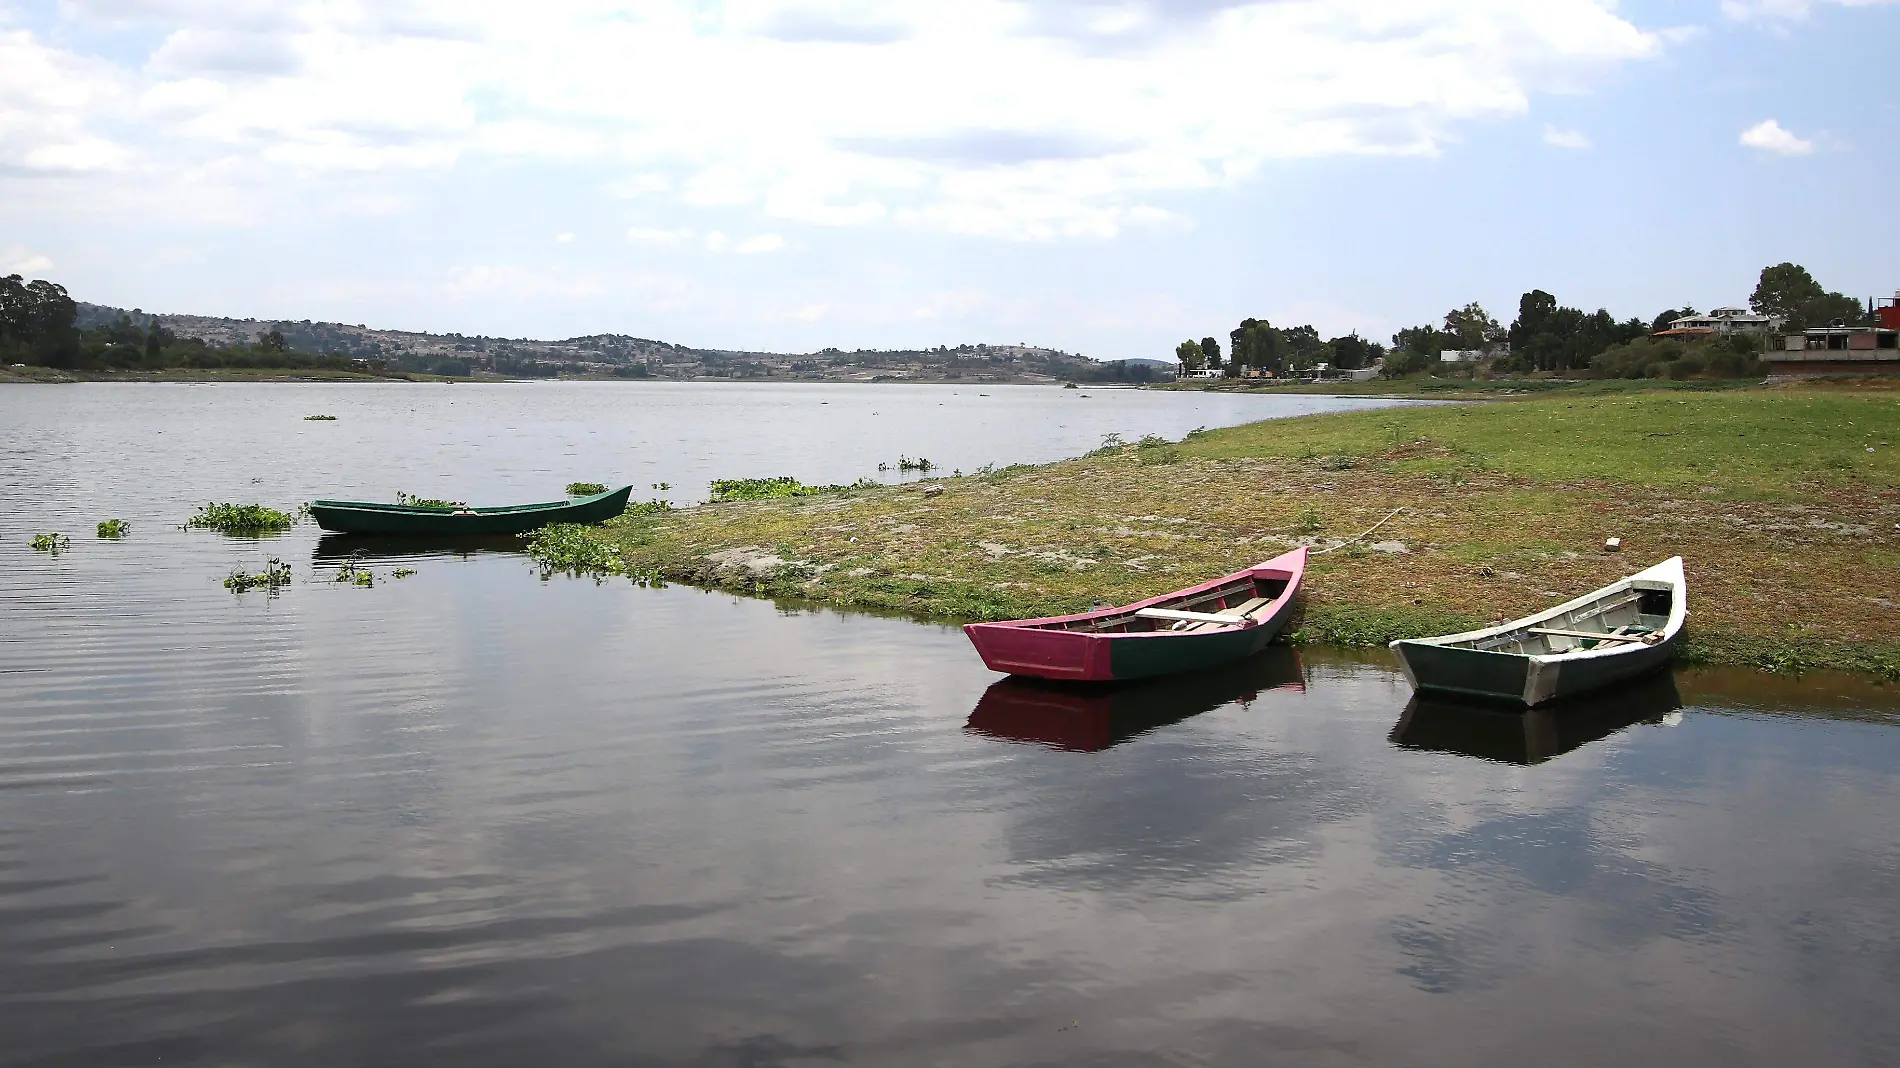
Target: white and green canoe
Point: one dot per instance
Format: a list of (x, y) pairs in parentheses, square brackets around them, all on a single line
[(1623, 630)]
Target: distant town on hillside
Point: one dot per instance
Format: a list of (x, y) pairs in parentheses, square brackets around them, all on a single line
[(606, 355)]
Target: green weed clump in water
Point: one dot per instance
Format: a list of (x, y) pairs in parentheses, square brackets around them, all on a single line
[(585, 489), (50, 543), (354, 575), (570, 549), (114, 528), (905, 463), (402, 572), (413, 501), (763, 489), (276, 574), (319, 418), (244, 520)]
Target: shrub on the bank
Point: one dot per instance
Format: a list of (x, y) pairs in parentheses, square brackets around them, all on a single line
[(1734, 356)]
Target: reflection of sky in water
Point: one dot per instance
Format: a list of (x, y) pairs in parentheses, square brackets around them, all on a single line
[(473, 816)]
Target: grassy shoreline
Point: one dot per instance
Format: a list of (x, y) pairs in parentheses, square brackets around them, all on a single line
[(1785, 503)]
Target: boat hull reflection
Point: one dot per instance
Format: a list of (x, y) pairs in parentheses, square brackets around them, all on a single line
[(1091, 717), (337, 548), (1534, 735)]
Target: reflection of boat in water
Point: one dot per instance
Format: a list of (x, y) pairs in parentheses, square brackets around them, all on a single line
[(336, 548), (1537, 734), (1087, 718)]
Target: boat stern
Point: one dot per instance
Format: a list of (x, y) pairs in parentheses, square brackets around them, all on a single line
[(1044, 654)]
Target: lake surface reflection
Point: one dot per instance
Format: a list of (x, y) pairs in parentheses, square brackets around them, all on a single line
[(474, 817)]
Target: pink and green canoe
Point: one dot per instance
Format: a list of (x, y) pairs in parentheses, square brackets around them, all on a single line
[(1194, 629)]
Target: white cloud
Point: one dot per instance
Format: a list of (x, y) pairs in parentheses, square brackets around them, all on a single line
[(1573, 139), (1783, 10), (18, 259), (759, 243), (1078, 120), (647, 235), (563, 238), (1769, 136)]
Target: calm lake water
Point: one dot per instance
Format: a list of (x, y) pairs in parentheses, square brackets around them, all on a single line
[(473, 817)]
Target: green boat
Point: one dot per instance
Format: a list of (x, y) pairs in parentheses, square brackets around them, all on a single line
[(360, 517)]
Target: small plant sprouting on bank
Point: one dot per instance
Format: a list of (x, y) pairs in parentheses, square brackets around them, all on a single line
[(410, 500), (1154, 449), (276, 574), (242, 520), (319, 418), (51, 543), (585, 489), (114, 528), (1310, 522)]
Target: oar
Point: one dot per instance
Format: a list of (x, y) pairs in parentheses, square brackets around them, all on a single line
[(1646, 639)]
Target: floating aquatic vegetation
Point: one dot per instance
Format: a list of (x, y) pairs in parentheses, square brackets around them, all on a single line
[(51, 543), (584, 489), (402, 572), (114, 528), (413, 501), (765, 489), (276, 574), (565, 548), (905, 463), (662, 486), (243, 520), (349, 572), (319, 418), (653, 507)]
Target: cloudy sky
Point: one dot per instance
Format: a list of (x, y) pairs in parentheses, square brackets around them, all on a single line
[(1105, 176)]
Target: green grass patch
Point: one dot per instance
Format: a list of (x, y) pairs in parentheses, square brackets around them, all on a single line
[(1749, 443)]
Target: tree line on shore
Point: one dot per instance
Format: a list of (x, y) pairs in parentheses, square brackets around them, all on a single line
[(38, 326), (1545, 337)]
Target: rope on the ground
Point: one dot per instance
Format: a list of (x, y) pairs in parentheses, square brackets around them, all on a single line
[(1349, 541)]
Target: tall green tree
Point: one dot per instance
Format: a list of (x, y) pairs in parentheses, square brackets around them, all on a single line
[(1210, 351), (1257, 344), (1471, 328), (1352, 352), (1189, 353), (1662, 320), (1789, 291), (36, 321)]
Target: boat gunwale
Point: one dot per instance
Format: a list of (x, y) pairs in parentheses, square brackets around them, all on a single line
[(1290, 565), (435, 510)]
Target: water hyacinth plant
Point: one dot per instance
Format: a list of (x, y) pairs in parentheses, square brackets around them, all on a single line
[(50, 543), (276, 574), (319, 418), (585, 489), (413, 501), (114, 528), (241, 520)]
